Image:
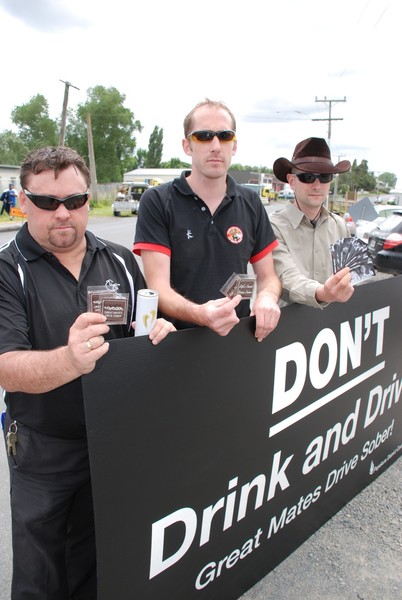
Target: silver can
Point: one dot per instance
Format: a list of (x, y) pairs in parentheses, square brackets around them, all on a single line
[(146, 311)]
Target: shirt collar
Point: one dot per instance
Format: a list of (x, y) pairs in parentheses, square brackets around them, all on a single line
[(296, 216), (183, 187)]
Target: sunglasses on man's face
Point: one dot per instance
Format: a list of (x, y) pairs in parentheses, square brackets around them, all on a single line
[(206, 135), (311, 177), (51, 203)]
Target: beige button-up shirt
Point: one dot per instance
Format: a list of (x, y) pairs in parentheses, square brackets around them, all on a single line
[(303, 257)]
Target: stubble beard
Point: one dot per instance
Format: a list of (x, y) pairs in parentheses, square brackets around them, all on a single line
[(65, 239)]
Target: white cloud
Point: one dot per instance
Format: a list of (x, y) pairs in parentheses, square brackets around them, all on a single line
[(267, 61), (44, 15)]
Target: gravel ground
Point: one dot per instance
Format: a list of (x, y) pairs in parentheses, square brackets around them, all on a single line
[(356, 555)]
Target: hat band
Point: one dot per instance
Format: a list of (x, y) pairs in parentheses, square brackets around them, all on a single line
[(312, 159)]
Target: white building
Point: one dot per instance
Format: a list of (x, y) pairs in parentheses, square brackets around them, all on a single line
[(159, 175)]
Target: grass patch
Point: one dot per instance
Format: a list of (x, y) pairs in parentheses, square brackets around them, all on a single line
[(102, 208)]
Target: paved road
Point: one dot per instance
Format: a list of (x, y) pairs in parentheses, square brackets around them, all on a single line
[(355, 556)]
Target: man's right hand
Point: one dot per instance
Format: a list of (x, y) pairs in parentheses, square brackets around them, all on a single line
[(86, 343), (220, 315), (337, 288)]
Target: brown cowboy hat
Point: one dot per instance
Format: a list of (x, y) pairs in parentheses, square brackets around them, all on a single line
[(312, 156)]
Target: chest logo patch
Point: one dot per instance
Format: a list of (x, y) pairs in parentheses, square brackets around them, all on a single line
[(234, 234)]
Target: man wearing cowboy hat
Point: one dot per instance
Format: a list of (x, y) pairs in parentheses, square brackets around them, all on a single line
[(306, 229)]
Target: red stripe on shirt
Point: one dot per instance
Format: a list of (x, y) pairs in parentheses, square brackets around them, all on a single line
[(139, 246), (264, 252)]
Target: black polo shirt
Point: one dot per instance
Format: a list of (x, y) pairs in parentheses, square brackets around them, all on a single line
[(204, 249), (39, 301)]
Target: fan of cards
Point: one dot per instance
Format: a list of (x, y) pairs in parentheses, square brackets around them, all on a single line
[(353, 253)]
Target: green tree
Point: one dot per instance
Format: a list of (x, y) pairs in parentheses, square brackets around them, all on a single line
[(363, 179), (140, 159), (113, 126), (12, 149), (388, 179), (155, 148), (35, 126), (76, 135), (358, 178), (175, 163)]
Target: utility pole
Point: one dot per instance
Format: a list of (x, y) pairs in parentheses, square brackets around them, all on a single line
[(330, 118), (92, 167), (67, 85)]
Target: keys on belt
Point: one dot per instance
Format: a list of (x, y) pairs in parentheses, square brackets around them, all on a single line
[(11, 439)]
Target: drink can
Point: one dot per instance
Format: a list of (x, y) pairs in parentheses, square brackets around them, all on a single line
[(146, 311)]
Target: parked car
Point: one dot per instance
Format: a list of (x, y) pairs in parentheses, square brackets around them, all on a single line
[(364, 228), (286, 195), (385, 244), (128, 198)]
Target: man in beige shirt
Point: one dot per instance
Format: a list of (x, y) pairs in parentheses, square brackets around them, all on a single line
[(306, 229)]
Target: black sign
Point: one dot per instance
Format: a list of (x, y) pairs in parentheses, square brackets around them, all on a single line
[(214, 458)]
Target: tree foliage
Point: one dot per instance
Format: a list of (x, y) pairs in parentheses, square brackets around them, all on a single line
[(155, 148), (140, 159), (12, 149), (388, 179), (359, 178), (35, 126), (113, 126), (175, 163)]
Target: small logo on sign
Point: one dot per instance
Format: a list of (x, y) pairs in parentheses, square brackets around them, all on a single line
[(234, 235)]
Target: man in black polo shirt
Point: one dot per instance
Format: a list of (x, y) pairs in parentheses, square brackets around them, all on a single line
[(195, 232), (48, 340)]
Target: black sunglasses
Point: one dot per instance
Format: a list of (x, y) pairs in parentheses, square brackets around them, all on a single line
[(311, 177), (206, 135), (51, 203)]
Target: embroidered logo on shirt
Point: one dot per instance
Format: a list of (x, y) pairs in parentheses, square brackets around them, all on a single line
[(234, 234), (189, 234), (111, 286)]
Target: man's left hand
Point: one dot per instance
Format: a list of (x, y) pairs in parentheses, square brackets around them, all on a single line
[(267, 313), (160, 330)]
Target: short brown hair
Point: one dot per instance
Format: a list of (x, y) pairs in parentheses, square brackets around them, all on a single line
[(52, 158), (188, 121)]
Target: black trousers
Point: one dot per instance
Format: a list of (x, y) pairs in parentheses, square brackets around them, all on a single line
[(6, 207), (53, 532)]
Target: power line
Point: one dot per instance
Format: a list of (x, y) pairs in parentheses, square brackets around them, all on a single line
[(329, 118)]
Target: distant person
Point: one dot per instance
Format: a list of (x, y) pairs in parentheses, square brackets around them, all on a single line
[(121, 194), (9, 199), (48, 340), (305, 229), (193, 233)]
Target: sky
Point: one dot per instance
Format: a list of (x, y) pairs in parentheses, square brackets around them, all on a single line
[(277, 65)]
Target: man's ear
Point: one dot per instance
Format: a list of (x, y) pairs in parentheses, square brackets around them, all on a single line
[(23, 200), (290, 179), (187, 147)]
